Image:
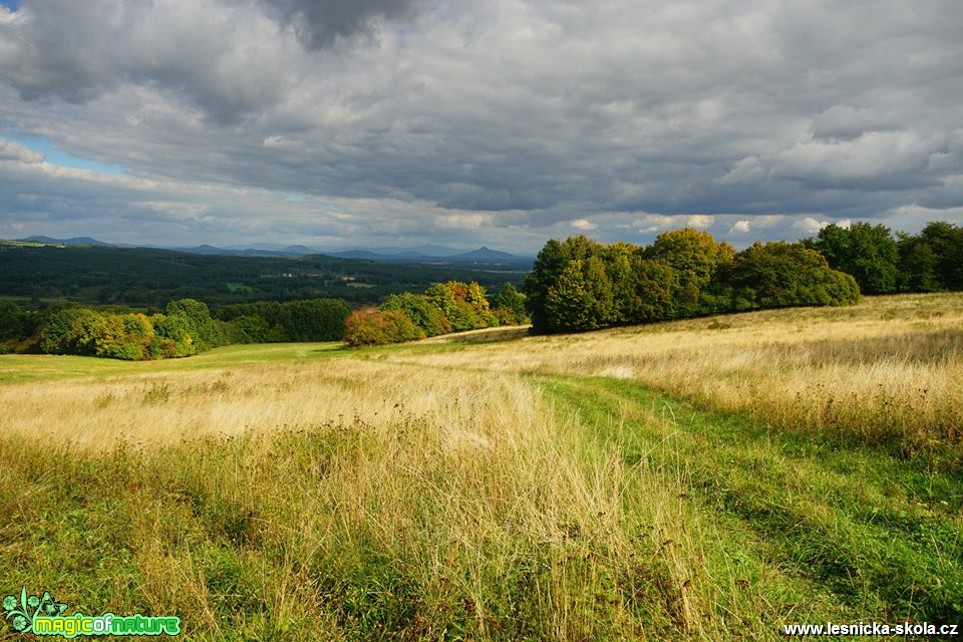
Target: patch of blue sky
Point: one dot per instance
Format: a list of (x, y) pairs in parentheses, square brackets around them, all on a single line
[(287, 197), (13, 5), (60, 157)]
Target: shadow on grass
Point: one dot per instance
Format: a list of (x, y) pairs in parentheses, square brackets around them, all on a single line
[(492, 335), (341, 348)]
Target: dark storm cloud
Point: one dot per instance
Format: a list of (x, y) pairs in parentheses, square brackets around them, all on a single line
[(53, 47), (206, 53), (513, 118), (319, 23), (225, 57)]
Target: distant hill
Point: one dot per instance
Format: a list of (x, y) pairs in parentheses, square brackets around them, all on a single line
[(425, 251), (78, 240), (487, 255), (288, 251), (262, 247), (298, 250), (149, 278), (481, 255), (201, 249), (433, 254), (356, 254), (430, 254)]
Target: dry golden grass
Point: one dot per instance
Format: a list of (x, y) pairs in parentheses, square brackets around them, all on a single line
[(890, 369), (432, 490), (462, 486), (162, 409)]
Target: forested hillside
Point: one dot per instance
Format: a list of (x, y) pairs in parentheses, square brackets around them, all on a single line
[(143, 277)]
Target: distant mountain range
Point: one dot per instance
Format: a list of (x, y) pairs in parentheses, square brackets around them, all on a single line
[(436, 254), (77, 240)]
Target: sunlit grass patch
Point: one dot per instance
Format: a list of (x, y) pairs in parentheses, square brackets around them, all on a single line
[(889, 371), (456, 506)]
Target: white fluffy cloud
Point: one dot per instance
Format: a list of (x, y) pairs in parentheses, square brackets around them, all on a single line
[(16, 152), (811, 225)]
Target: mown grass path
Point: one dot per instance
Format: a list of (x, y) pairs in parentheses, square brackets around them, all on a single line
[(815, 530)]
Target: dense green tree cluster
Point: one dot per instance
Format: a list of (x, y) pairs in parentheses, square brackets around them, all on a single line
[(185, 328), (933, 259), (778, 275), (580, 284), (443, 307), (867, 252), (421, 311), (273, 321), (926, 262), (14, 325), (508, 306)]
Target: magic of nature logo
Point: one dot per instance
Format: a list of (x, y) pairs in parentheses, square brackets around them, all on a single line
[(43, 615)]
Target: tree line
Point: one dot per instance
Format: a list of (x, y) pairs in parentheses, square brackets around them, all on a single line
[(580, 284), (453, 306), (576, 284), (882, 263), (184, 328)]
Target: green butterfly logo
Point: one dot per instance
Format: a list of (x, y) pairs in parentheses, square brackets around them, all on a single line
[(24, 611)]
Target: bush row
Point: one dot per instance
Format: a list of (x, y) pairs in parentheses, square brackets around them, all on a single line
[(442, 308), (185, 327)]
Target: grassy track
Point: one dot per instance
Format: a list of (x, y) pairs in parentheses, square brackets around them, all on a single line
[(806, 526)]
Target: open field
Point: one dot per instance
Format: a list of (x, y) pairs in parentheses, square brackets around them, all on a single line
[(886, 372), (703, 480)]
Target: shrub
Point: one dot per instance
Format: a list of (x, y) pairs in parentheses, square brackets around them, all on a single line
[(161, 348), (464, 305), (125, 351), (374, 327), (204, 333), (249, 328), (420, 309)]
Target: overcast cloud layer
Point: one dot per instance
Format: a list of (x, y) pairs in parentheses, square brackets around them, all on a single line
[(505, 122)]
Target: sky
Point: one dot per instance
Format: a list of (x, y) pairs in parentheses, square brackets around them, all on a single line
[(340, 123)]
